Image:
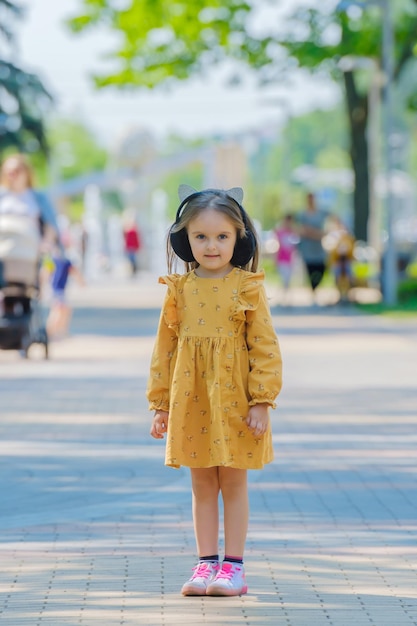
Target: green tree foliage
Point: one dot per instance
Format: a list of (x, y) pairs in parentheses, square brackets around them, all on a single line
[(318, 139), (74, 149), (164, 40), (23, 98), (75, 152), (354, 34)]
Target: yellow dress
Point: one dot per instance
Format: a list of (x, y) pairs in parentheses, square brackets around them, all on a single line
[(216, 354)]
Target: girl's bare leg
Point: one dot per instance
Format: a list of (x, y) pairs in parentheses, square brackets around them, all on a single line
[(234, 488), (205, 486)]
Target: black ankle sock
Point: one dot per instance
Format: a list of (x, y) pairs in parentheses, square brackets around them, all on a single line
[(233, 559), (212, 557)]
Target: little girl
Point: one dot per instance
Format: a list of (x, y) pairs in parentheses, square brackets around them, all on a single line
[(215, 371)]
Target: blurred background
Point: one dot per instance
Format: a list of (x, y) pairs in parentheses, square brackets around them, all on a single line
[(117, 102)]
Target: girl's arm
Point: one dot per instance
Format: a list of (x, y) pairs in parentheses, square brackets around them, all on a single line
[(265, 363), (160, 370)]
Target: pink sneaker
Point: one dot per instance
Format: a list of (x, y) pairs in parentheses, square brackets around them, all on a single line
[(204, 573), (230, 581)]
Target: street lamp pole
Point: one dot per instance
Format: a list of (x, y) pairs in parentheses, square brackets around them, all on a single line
[(390, 258)]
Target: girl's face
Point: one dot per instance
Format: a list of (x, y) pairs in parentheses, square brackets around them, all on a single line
[(212, 238)]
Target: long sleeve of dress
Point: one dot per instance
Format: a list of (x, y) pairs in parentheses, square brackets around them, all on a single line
[(162, 357), (265, 376)]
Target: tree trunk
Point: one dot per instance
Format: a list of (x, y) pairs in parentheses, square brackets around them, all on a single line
[(357, 106)]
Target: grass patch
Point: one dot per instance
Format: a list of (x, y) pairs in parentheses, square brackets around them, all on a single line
[(406, 309), (407, 301)]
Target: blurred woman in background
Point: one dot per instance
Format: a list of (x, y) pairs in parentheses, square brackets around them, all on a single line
[(19, 197)]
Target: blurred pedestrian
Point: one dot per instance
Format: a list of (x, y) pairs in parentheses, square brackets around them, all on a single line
[(59, 318), (287, 240), (341, 246), (311, 229), (18, 196), (132, 244)]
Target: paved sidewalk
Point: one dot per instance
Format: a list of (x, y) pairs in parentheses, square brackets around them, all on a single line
[(96, 531)]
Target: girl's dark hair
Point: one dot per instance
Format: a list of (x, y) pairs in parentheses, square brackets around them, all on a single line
[(219, 201)]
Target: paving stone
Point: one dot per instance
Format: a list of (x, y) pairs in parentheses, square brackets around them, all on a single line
[(95, 530)]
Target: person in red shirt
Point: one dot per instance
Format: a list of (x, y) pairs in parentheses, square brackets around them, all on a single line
[(132, 245)]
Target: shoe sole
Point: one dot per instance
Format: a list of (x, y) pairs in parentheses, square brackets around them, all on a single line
[(193, 591), (221, 591)]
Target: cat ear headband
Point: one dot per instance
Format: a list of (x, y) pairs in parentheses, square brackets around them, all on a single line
[(185, 191), (245, 246)]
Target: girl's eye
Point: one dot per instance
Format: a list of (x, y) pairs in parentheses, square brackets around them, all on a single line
[(222, 236), (200, 236)]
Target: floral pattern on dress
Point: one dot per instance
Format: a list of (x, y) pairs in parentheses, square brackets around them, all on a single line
[(215, 355)]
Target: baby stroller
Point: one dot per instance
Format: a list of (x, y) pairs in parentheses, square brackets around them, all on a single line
[(21, 323)]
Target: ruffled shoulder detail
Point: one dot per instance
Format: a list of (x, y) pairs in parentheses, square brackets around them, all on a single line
[(248, 296), (171, 280), (250, 286), (169, 309)]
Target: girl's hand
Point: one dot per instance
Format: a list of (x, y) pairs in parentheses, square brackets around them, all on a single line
[(159, 424), (258, 419)]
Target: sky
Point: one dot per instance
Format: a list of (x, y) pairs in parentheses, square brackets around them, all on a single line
[(199, 107)]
